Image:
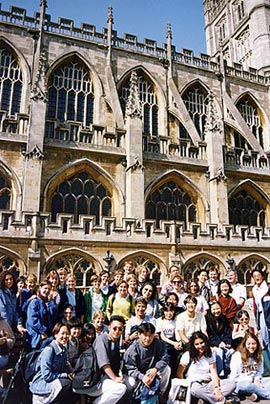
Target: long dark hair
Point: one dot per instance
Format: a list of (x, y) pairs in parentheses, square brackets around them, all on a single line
[(3, 275), (194, 354)]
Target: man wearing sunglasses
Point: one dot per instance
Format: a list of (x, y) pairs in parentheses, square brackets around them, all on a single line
[(107, 346)]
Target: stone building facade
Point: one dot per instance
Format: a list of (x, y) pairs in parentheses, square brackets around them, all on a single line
[(113, 149)]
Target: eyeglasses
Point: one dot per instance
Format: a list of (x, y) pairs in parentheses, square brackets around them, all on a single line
[(118, 329), (179, 282)]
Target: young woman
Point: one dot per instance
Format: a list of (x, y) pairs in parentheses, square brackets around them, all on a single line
[(21, 284), (88, 336), (104, 283), (220, 335), (132, 282), (8, 299), (193, 289), (70, 295), (165, 327), (241, 328), (227, 302), (52, 383), (178, 288), (94, 298), (247, 369), (53, 277), (142, 274), (99, 322), (148, 292), (121, 303), (41, 314), (199, 363)]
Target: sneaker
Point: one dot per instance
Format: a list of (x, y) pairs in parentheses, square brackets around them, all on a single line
[(253, 397)]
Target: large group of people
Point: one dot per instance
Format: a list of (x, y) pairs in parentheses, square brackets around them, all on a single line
[(142, 333)]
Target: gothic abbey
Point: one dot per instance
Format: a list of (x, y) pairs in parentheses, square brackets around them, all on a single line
[(114, 150)]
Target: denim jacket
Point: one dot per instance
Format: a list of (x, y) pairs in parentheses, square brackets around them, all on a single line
[(8, 307), (51, 365)]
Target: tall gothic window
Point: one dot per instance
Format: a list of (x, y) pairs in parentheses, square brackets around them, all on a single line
[(5, 193), (148, 101), (250, 113), (81, 195), (244, 209), (10, 82), (170, 202), (71, 94), (195, 99)]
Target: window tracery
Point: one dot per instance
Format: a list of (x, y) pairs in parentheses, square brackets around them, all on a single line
[(192, 269), (10, 82), (81, 195), (149, 104), (5, 193), (251, 115), (170, 202), (244, 209), (196, 102), (71, 94)]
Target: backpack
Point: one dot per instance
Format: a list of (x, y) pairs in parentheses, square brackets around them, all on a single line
[(30, 364), (86, 371)]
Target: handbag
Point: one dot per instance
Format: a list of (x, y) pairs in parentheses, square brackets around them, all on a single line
[(179, 392)]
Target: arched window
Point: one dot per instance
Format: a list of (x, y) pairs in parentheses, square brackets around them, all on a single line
[(195, 99), (193, 267), (71, 94), (149, 104), (5, 193), (170, 202), (245, 268), (81, 195), (251, 114), (244, 209), (10, 82)]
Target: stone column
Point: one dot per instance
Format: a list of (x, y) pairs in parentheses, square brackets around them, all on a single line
[(217, 181), (134, 170)]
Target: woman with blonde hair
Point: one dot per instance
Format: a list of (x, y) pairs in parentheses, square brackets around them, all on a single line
[(247, 369)]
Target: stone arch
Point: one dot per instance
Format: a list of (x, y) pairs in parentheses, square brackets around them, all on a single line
[(161, 98), (142, 257), (200, 261), (258, 194), (16, 187), (183, 181), (12, 260), (261, 137), (94, 170), (25, 70), (97, 84), (249, 263), (75, 261)]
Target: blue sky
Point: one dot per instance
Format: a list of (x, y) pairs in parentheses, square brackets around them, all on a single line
[(144, 18)]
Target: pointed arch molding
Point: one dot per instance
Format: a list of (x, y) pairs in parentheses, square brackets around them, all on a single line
[(258, 257), (213, 258), (97, 172), (16, 187), (159, 92), (67, 251), (98, 87), (179, 178), (25, 69), (14, 255), (257, 192), (144, 253)]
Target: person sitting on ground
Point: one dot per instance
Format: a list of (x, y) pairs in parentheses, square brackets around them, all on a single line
[(73, 345), (52, 381), (247, 369), (132, 325), (107, 347), (146, 358), (189, 321), (199, 364), (220, 335), (241, 328)]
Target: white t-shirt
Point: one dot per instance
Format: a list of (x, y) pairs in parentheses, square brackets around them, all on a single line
[(239, 292), (167, 326), (200, 370)]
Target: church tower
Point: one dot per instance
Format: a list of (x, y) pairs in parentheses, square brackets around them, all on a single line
[(242, 28)]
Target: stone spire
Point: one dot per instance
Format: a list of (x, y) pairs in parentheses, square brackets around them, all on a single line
[(133, 107), (169, 48)]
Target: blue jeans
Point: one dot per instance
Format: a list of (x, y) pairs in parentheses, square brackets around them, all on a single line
[(247, 388)]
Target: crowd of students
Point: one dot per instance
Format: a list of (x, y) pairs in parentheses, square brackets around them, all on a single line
[(198, 330)]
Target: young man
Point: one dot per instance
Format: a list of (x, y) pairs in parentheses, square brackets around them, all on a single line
[(146, 358), (132, 325), (239, 292), (212, 282), (168, 286), (107, 347)]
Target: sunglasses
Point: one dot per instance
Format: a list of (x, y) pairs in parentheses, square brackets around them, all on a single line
[(243, 319), (179, 282)]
